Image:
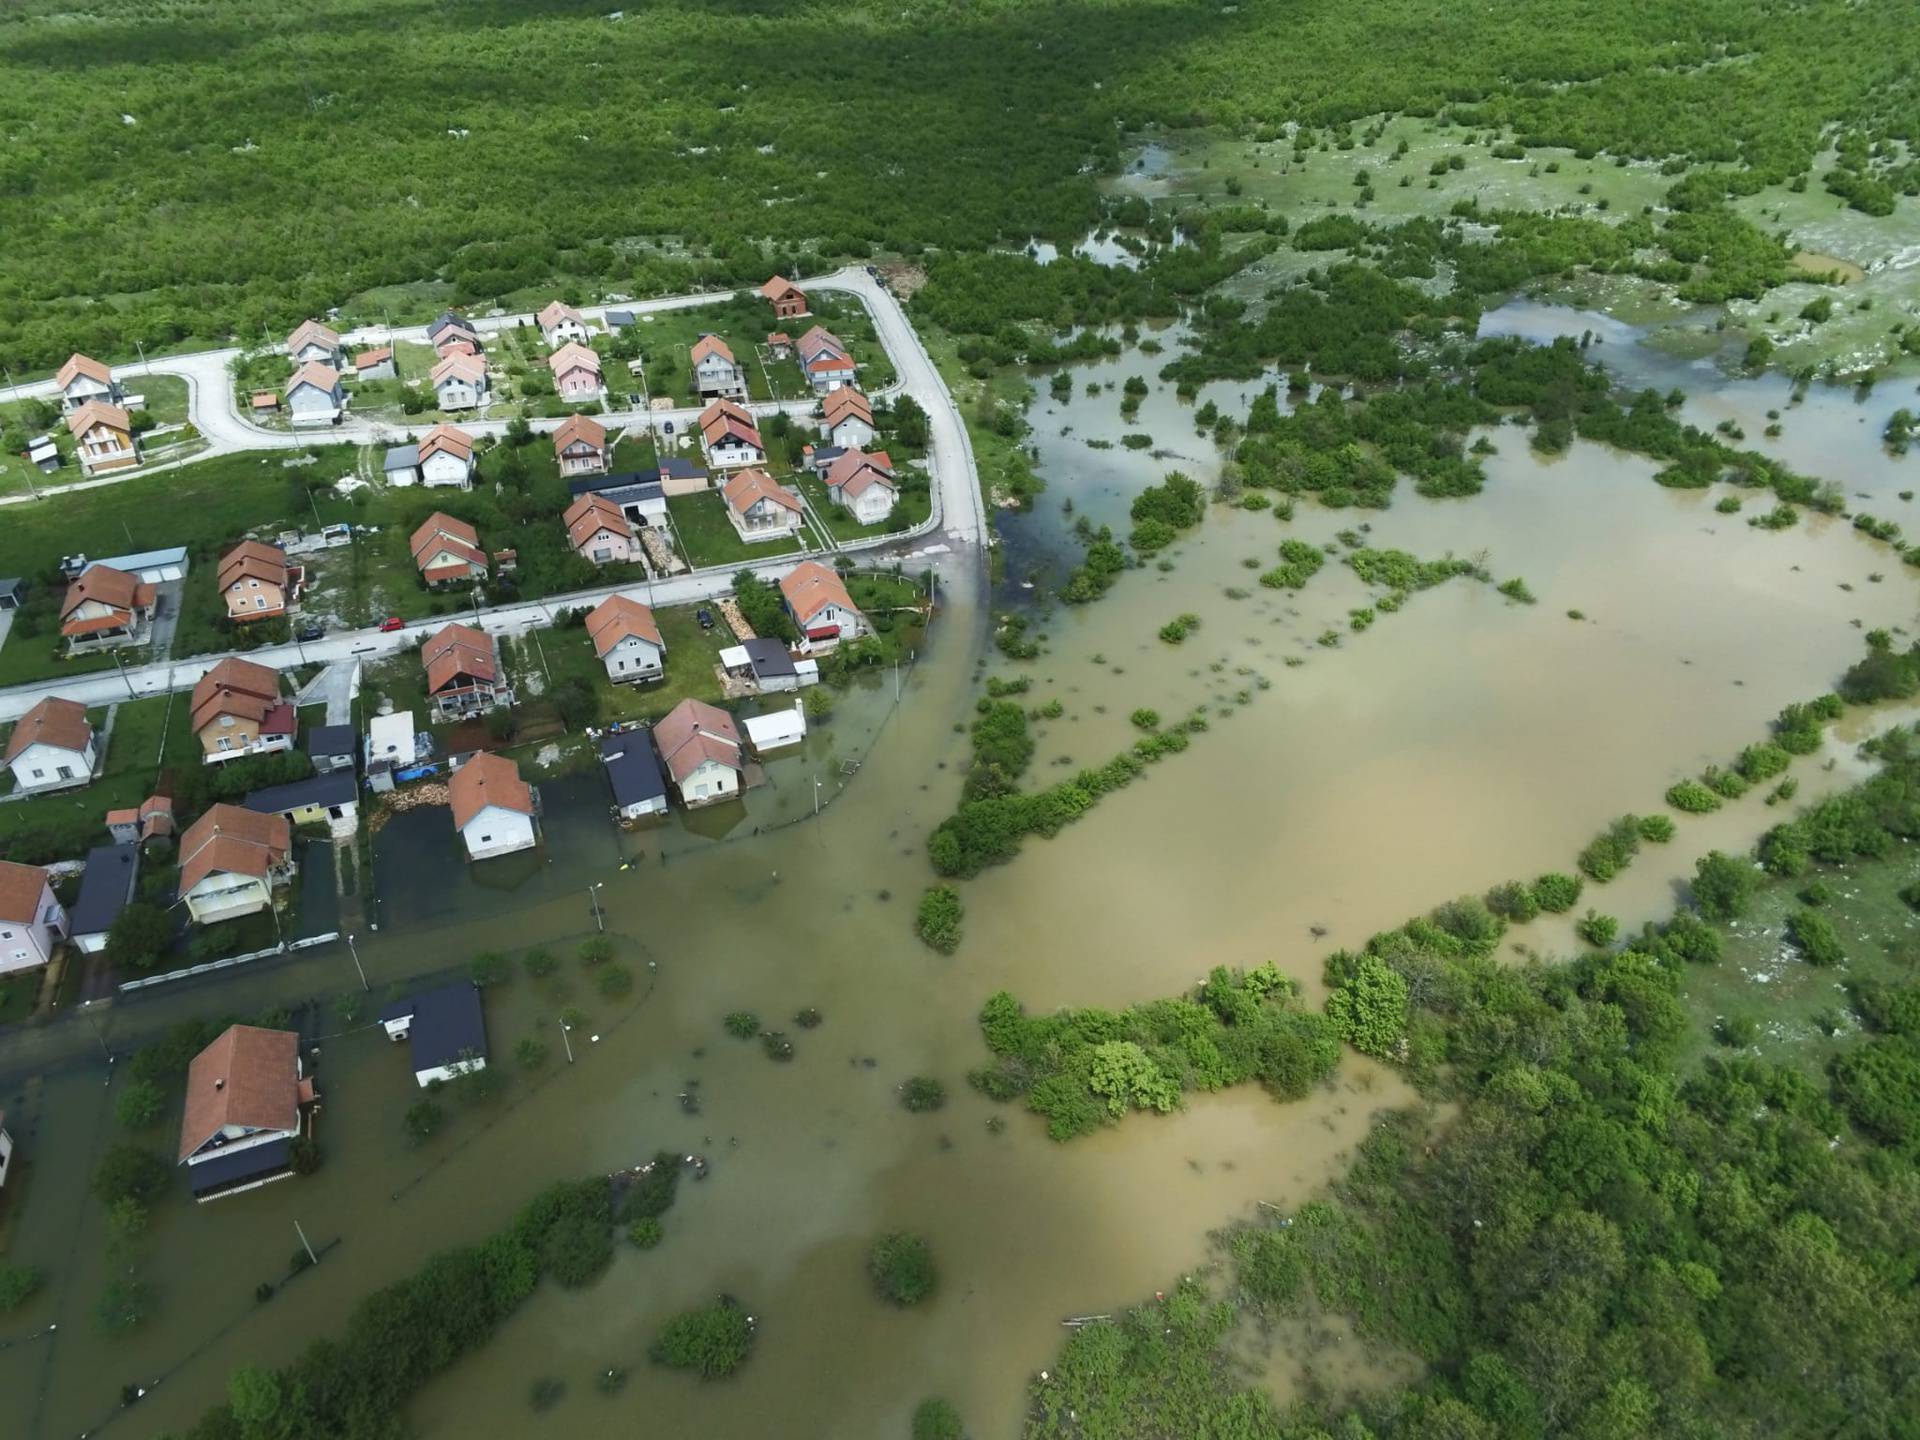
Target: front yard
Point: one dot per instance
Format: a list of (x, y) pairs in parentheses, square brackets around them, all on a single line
[(913, 507), (564, 653), (707, 536), (65, 824)]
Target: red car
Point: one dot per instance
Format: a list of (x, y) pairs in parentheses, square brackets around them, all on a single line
[(392, 622)]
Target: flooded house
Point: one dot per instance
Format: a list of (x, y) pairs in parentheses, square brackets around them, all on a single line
[(247, 1102)]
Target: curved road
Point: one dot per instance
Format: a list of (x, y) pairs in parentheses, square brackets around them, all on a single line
[(957, 526)]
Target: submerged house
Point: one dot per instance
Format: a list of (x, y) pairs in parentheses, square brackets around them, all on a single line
[(230, 860), (247, 1102), (700, 746), (445, 1029), (633, 774), (493, 808)]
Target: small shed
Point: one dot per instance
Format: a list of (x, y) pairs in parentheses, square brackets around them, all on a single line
[(445, 1028), (633, 772), (12, 592), (777, 731), (331, 747)]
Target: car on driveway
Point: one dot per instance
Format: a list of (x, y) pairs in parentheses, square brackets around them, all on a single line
[(392, 623), (705, 617), (309, 632)]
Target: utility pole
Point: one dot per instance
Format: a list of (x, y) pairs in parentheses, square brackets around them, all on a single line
[(312, 1258), (599, 921), (354, 951), (123, 674), (816, 797), (98, 1037), (566, 1040)]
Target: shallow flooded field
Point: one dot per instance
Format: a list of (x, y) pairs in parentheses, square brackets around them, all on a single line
[(1465, 740)]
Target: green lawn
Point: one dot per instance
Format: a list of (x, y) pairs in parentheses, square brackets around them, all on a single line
[(707, 536), (663, 341), (65, 824), (165, 396), (17, 994), (915, 504), (692, 654)]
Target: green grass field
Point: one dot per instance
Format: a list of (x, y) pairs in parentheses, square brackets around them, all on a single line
[(564, 652), (707, 536), (66, 823)]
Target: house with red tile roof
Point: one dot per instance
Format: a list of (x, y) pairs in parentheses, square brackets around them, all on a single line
[(375, 364), (248, 1102), (580, 446), (598, 530), (447, 551), (846, 418), (817, 599), (560, 323), (493, 808), (463, 673), (864, 484), (716, 374), (700, 747), (459, 380), (230, 860), (825, 362), (779, 345), (627, 639), (106, 608), (576, 372), (729, 436), (444, 457), (32, 922), (236, 710), (760, 507), (84, 378), (137, 824), (315, 395), (313, 343), (51, 746), (453, 328), (256, 581), (102, 437), (789, 301)]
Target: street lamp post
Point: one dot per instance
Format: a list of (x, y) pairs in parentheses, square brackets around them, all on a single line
[(99, 1039), (593, 894), (354, 951), (566, 1040), (123, 674)]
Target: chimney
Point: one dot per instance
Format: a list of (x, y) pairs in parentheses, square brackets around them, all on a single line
[(220, 1084)]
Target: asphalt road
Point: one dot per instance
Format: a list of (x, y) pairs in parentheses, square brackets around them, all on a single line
[(958, 524)]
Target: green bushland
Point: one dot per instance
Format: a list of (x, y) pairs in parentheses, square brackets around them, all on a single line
[(922, 1095), (1863, 823), (1691, 797), (1610, 852), (901, 1268), (402, 1335), (1299, 563), (1815, 937), (741, 1024), (1556, 892), (1082, 1069), (1161, 512), (1176, 630), (1883, 673), (936, 1418), (1722, 885)]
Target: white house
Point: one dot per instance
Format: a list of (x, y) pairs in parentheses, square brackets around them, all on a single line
[(459, 381), (84, 378), (51, 746), (445, 1029), (846, 419), (560, 323), (715, 371), (230, 860), (627, 640), (314, 395), (580, 446), (818, 601), (730, 437), (827, 363), (598, 530), (700, 747), (31, 920), (493, 808), (761, 508), (375, 364), (446, 458), (777, 730), (633, 773), (246, 1105), (312, 343), (864, 484)]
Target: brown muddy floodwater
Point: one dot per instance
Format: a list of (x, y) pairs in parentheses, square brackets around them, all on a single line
[(1463, 741)]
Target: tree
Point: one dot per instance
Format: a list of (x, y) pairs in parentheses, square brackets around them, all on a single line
[(938, 921), (901, 1268), (129, 1172), (922, 1093), (17, 1285), (1369, 1008), (139, 936), (935, 1419), (1129, 1079), (1722, 885), (139, 1104), (714, 1340)]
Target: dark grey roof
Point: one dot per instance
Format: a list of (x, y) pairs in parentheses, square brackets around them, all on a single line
[(825, 455), (106, 887), (619, 319), (450, 317), (769, 658), (448, 1024), (626, 488), (677, 467), (232, 1167), (402, 457), (335, 787), (632, 768), (331, 740), (10, 587)]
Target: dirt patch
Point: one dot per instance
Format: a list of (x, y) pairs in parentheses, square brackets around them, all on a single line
[(903, 279), (1815, 263)]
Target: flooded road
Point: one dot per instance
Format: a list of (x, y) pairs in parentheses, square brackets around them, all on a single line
[(1465, 740)]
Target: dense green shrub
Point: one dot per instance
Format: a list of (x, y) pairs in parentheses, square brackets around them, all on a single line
[(1597, 929), (1813, 934), (936, 1419), (1611, 851), (1691, 797), (1722, 885), (1369, 1005), (713, 1341), (901, 1268), (1513, 901), (1556, 892), (939, 919), (921, 1094)]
